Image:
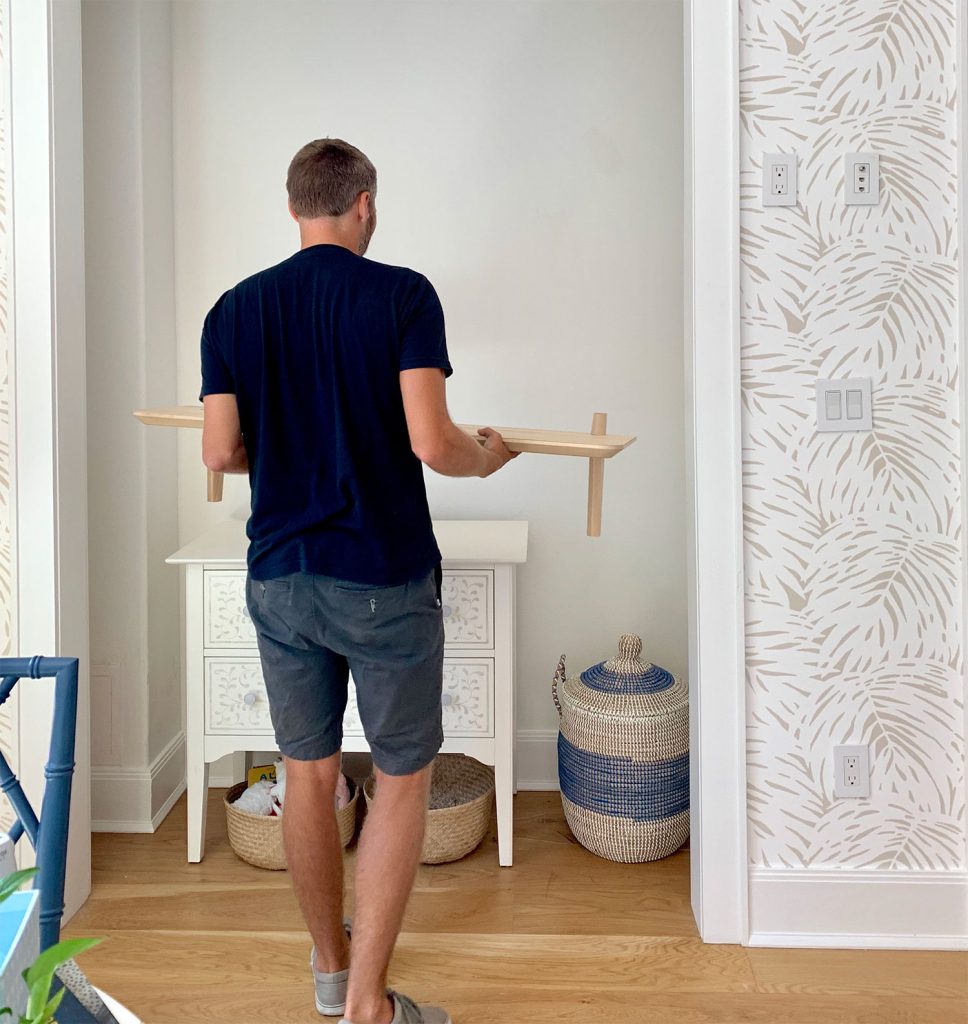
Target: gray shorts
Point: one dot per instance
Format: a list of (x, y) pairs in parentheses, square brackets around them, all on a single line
[(314, 631)]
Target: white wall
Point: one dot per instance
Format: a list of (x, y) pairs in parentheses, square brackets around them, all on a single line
[(530, 164), (135, 646)]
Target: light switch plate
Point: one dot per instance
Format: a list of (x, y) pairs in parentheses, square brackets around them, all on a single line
[(844, 405), (780, 179), (862, 186)]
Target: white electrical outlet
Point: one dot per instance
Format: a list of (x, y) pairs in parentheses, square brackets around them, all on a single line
[(852, 771), (862, 185), (780, 179)]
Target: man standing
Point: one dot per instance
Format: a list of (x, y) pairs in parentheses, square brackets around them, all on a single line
[(323, 379)]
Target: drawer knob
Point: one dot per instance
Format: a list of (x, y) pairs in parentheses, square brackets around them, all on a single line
[(251, 697), (446, 699), (447, 611)]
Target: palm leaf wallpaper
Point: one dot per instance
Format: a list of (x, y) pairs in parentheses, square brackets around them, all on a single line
[(853, 548)]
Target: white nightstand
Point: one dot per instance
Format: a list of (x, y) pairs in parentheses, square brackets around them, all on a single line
[(226, 707)]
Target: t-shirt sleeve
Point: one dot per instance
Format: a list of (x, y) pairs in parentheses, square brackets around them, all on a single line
[(424, 340), (217, 378)]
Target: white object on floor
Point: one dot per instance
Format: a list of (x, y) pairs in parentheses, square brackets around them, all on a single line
[(226, 706), (124, 1016)]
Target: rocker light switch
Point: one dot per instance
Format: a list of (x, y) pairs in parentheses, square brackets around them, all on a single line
[(844, 405), (855, 404)]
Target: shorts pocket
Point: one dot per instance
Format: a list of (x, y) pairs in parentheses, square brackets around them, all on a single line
[(281, 586), (348, 587)]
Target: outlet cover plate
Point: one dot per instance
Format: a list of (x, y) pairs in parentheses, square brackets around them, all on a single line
[(861, 755), (862, 179), (786, 165)]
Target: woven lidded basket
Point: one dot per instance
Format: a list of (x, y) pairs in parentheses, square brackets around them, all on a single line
[(257, 838), (461, 797), (623, 756)]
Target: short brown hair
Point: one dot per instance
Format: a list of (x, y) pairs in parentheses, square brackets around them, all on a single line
[(326, 176)]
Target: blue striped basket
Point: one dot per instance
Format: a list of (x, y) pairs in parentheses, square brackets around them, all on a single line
[(623, 756)]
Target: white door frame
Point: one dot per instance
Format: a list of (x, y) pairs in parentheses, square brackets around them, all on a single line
[(717, 687), (49, 393)]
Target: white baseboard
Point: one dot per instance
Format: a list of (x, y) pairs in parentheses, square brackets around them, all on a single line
[(858, 909), (537, 763), (138, 799), (536, 759)]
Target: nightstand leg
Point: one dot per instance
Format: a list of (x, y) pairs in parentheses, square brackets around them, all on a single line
[(504, 794), (197, 808)]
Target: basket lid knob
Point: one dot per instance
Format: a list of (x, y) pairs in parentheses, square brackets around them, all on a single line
[(630, 647)]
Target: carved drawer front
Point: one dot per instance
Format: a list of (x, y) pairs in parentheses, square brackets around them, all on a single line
[(227, 622), (467, 597), (468, 697), (236, 701), (235, 697)]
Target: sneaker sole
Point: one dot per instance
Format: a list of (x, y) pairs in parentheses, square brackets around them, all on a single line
[(333, 1011)]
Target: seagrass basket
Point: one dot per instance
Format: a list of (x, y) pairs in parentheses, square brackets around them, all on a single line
[(461, 797), (257, 839), (623, 756)]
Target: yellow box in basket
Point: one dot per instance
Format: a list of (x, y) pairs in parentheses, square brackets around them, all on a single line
[(262, 773)]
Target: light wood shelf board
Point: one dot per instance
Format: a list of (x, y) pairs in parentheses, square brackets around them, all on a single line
[(518, 439)]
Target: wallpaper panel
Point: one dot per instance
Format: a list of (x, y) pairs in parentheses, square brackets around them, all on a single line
[(853, 548)]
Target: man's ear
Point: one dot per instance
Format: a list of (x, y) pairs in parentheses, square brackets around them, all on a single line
[(293, 214), (363, 206)]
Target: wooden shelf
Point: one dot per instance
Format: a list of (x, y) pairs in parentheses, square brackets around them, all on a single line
[(518, 439), (596, 446)]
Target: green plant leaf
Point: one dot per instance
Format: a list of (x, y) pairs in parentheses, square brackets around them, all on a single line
[(12, 882), (40, 975), (52, 958), (47, 1014), (39, 991)]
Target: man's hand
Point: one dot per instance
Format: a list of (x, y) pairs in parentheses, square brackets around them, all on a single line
[(495, 447)]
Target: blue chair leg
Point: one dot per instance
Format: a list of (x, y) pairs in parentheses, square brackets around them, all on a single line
[(56, 805)]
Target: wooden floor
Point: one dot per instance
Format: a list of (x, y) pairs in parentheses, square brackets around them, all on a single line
[(561, 937)]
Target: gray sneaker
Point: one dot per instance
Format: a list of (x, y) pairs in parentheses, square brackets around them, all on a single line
[(406, 1011), (331, 988)]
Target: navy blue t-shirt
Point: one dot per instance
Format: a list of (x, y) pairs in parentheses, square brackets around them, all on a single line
[(312, 349)]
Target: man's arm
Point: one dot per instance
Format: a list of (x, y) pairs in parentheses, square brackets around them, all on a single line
[(435, 439), (223, 450)]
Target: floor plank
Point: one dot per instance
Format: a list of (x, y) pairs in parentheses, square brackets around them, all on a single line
[(562, 937)]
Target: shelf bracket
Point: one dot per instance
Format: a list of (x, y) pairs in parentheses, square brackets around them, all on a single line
[(596, 481)]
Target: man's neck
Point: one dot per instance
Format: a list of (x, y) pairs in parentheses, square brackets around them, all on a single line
[(326, 232)]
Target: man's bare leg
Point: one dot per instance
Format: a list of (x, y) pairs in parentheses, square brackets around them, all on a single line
[(315, 856), (386, 863)]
